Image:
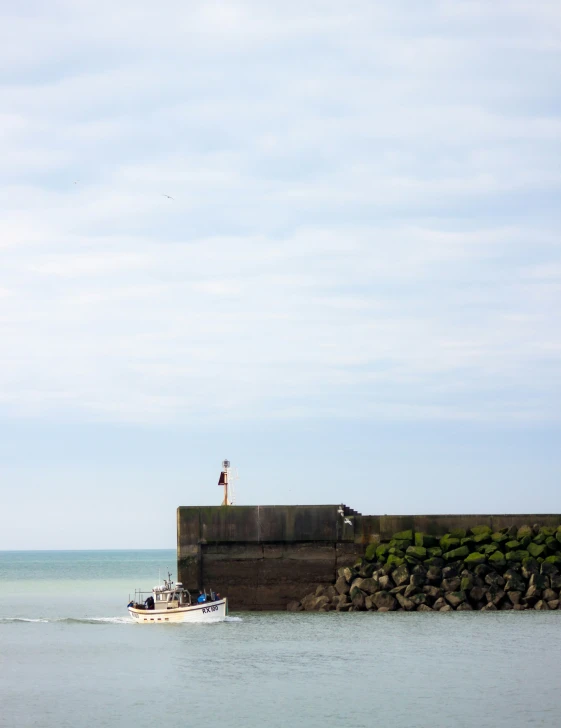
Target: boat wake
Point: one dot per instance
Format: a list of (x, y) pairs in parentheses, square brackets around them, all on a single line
[(9, 620), (99, 620), (215, 620), (68, 620)]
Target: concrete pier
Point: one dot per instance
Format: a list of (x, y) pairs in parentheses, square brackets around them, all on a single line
[(262, 557)]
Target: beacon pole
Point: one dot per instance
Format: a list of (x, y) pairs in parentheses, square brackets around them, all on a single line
[(223, 480)]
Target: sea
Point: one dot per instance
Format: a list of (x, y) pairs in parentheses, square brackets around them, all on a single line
[(71, 657)]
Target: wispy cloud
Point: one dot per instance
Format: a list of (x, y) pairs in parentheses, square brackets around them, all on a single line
[(365, 216)]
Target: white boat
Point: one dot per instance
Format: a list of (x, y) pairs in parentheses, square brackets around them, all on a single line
[(173, 603)]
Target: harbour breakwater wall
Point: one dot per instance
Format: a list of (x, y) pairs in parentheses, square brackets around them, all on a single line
[(480, 569), (265, 557)]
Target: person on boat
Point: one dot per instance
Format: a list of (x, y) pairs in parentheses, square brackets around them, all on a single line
[(149, 603), (202, 598)]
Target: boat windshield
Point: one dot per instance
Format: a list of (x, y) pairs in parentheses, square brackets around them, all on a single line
[(171, 596)]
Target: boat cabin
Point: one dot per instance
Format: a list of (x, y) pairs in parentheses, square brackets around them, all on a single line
[(171, 598), (166, 596)]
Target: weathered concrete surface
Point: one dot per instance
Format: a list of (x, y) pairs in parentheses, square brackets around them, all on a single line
[(262, 557), (249, 524), (265, 576)]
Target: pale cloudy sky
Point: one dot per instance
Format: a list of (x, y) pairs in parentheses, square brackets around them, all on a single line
[(355, 294)]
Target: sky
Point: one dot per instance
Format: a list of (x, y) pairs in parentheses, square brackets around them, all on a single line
[(354, 294)]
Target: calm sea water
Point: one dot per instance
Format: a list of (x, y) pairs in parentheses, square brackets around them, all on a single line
[(70, 657)]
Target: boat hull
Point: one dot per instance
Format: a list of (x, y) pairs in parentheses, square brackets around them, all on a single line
[(207, 612)]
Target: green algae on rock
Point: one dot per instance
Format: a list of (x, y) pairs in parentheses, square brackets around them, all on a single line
[(447, 542), (489, 570), (457, 554), (418, 551), (516, 555), (536, 549), (404, 535)]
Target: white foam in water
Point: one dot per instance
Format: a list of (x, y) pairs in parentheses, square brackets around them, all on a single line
[(71, 620), (99, 620), (22, 619), (106, 620)]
